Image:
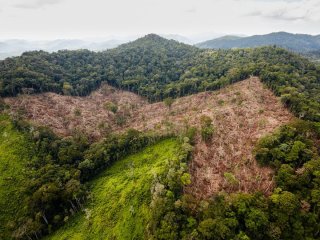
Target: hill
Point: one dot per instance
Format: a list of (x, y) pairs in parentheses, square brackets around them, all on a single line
[(132, 66), (296, 42)]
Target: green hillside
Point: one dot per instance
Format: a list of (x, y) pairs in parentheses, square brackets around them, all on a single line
[(120, 197), (15, 152)]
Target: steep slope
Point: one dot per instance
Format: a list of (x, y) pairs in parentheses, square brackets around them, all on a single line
[(120, 198), (15, 154), (296, 42), (241, 113)]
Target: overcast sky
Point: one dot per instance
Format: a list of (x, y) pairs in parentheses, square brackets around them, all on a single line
[(52, 19)]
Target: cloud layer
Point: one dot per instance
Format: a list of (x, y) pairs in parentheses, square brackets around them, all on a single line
[(100, 18), (308, 10)]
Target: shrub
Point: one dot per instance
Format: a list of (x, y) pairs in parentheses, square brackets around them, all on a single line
[(207, 128), (110, 106)]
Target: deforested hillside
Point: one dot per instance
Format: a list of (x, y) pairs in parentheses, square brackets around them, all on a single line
[(241, 114), (95, 115)]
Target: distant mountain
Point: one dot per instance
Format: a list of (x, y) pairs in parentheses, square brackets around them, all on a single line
[(16, 47), (295, 42)]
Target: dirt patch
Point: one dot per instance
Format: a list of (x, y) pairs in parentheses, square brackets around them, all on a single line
[(241, 114)]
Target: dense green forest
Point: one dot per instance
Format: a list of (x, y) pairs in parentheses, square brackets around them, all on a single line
[(58, 175)]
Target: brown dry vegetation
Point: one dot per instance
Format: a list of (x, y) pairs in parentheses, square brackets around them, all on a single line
[(66, 114), (241, 114)]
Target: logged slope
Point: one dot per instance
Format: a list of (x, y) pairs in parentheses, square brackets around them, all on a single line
[(296, 42), (241, 114), (15, 152), (65, 114), (120, 197)]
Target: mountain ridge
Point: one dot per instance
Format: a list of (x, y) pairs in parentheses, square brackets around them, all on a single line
[(295, 42)]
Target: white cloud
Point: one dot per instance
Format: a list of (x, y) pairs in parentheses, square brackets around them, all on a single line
[(290, 10), (100, 18)]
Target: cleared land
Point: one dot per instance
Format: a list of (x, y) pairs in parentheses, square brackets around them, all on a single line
[(120, 197), (241, 113)]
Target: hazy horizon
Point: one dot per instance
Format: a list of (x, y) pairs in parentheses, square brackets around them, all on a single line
[(125, 38)]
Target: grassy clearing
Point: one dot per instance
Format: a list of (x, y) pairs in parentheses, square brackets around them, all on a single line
[(15, 152), (120, 196)]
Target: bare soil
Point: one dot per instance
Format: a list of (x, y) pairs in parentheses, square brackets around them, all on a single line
[(241, 114)]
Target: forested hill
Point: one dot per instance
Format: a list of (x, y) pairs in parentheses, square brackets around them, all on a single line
[(147, 60), (297, 42), (157, 68)]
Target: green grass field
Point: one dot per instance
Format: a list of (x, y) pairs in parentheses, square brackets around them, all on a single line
[(15, 152), (120, 196)]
